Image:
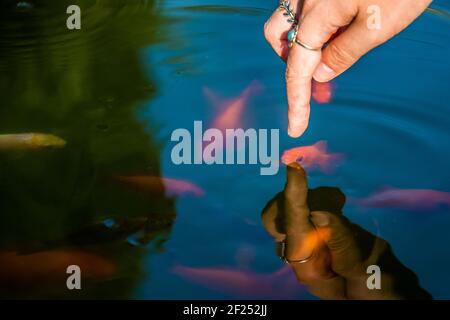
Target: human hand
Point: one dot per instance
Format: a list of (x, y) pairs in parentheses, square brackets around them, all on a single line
[(319, 22), (335, 252)]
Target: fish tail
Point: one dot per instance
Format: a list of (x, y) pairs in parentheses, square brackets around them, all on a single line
[(333, 160)]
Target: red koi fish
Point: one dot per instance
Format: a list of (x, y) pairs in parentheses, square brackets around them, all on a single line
[(231, 114), (159, 185), (322, 92), (407, 199), (281, 284), (48, 268), (313, 156)]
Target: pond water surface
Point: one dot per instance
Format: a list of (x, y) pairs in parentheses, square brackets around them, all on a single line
[(137, 70)]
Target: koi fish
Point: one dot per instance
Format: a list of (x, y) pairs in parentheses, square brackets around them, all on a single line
[(281, 284), (30, 141), (313, 156), (407, 199), (159, 185), (322, 92), (48, 268), (231, 109)]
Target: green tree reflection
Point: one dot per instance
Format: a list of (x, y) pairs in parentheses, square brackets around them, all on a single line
[(85, 87)]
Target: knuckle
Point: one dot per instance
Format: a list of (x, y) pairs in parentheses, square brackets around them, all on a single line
[(296, 74), (340, 57), (340, 242), (289, 76)]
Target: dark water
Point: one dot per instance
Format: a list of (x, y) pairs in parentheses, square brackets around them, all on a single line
[(137, 70)]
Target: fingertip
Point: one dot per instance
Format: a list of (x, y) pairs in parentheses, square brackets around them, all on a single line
[(295, 131), (295, 166), (296, 169), (293, 134), (296, 183), (298, 114)]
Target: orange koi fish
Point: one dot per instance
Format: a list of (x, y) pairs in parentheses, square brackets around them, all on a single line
[(231, 115), (313, 156), (48, 268), (322, 92)]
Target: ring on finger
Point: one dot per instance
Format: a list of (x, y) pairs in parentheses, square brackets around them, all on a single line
[(292, 38), (306, 46), (282, 254), (285, 5)]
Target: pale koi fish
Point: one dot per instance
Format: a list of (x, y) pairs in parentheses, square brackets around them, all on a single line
[(29, 141), (407, 199), (281, 284), (159, 185)]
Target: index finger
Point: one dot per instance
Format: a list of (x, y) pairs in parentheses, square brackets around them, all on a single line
[(301, 65)]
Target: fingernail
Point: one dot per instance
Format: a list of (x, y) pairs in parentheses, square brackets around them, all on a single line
[(320, 219), (324, 73)]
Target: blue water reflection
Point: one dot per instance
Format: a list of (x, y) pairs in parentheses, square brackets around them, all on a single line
[(389, 116)]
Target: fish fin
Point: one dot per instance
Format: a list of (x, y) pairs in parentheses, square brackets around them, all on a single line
[(337, 157), (331, 162), (321, 145)]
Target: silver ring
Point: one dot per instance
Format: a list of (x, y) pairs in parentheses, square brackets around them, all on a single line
[(304, 45), (283, 256), (288, 11)]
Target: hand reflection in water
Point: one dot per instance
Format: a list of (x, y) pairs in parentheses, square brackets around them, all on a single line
[(335, 252)]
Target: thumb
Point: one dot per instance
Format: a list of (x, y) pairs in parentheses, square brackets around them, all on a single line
[(359, 38), (337, 233), (345, 50)]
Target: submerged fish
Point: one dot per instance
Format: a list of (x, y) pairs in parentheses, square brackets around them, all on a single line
[(281, 284), (231, 114), (407, 199), (313, 156), (322, 92), (48, 268), (159, 185), (30, 141)]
